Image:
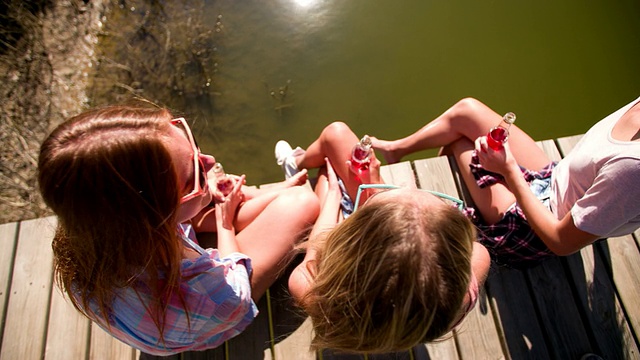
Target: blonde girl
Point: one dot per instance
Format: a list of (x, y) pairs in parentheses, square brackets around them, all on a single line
[(402, 269)]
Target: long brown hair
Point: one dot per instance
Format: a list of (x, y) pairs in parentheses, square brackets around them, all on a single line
[(389, 277), (110, 180)]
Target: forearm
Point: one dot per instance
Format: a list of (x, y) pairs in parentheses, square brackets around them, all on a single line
[(227, 242), (328, 217)]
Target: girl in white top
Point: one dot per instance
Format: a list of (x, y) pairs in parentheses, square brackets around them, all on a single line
[(592, 193)]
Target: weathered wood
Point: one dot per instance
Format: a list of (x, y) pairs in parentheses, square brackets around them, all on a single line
[(441, 350), (291, 327), (399, 174), (551, 288), (515, 311), (68, 330), (8, 241), (28, 306), (252, 343), (296, 345), (597, 297), (104, 346)]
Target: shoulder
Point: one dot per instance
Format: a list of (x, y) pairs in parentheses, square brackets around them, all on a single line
[(300, 281)]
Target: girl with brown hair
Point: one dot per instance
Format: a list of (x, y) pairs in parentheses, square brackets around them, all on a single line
[(124, 183)]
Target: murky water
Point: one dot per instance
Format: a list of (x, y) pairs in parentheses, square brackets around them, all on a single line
[(283, 69)]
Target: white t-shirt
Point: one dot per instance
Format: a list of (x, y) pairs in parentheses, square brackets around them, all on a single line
[(599, 181)]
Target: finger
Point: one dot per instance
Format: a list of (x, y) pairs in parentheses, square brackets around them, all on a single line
[(238, 184), (330, 169), (479, 144)]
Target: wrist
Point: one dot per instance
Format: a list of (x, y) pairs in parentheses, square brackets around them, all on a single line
[(512, 174)]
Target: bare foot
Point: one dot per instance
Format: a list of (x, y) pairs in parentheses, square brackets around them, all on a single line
[(385, 148), (300, 178)]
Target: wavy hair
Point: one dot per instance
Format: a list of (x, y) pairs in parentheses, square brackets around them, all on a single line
[(389, 277), (110, 180)]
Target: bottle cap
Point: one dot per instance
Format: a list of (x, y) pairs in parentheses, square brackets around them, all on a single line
[(365, 141), (218, 169), (509, 118)]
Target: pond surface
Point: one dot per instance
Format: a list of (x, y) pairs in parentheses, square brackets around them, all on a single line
[(283, 69)]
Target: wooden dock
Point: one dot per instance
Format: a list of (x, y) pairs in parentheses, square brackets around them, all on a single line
[(585, 303)]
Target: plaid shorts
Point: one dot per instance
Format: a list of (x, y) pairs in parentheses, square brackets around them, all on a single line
[(511, 241)]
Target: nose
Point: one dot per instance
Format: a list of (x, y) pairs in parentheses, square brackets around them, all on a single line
[(208, 161)]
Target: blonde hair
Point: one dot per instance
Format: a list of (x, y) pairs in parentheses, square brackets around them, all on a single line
[(390, 276)]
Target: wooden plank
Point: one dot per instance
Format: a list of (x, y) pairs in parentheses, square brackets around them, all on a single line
[(478, 335), (399, 174), (144, 356), (555, 302), (559, 315), (104, 346), (597, 297), (30, 292), (292, 328), (622, 257), (8, 241), (68, 330), (567, 143), (435, 174), (516, 313), (255, 339), (441, 350), (296, 345)]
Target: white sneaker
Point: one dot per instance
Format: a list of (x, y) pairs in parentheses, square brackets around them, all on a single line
[(286, 157)]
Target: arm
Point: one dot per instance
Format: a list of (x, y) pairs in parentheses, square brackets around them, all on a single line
[(226, 211), (301, 278), (561, 236)]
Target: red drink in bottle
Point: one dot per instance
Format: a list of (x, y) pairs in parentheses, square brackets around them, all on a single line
[(223, 182), (361, 153), (498, 135)]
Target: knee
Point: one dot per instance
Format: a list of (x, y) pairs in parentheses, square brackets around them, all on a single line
[(300, 202), (468, 105), (461, 145), (335, 132)]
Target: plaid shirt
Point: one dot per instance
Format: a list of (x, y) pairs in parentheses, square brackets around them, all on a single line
[(511, 241), (217, 293)]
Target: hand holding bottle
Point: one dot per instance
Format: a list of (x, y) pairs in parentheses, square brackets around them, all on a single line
[(224, 182)]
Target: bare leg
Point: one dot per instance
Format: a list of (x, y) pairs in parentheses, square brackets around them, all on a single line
[(270, 238), (297, 179), (335, 142), (470, 119), (492, 201), (255, 201)]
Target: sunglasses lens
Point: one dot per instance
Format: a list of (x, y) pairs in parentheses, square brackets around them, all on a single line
[(202, 175)]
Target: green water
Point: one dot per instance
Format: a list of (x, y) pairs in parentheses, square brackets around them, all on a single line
[(388, 67)]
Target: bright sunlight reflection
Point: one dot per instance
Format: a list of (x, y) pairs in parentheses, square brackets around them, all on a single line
[(304, 3)]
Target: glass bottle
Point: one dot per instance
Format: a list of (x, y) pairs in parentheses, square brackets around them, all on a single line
[(361, 153), (498, 135), (224, 183)]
